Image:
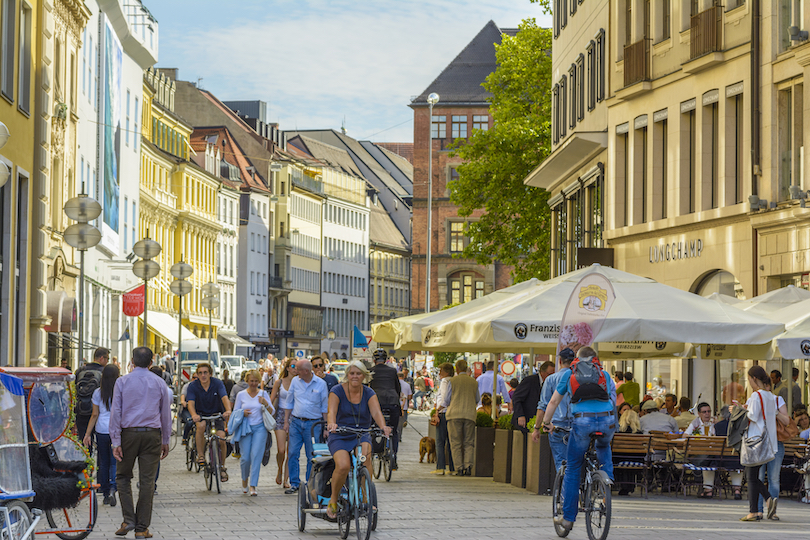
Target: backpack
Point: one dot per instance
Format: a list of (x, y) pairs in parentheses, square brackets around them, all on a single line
[(86, 384), (588, 381)]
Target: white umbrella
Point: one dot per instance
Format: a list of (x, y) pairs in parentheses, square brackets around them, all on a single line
[(645, 311), (775, 300)]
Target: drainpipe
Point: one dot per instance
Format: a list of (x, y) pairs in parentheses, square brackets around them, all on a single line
[(756, 142)]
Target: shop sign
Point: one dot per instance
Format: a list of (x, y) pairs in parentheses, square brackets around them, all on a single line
[(676, 250)]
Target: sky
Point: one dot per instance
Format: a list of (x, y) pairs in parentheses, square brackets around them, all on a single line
[(320, 63)]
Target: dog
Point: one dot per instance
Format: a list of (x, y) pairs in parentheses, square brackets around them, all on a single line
[(427, 446)]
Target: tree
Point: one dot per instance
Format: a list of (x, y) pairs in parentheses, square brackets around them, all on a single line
[(515, 226)]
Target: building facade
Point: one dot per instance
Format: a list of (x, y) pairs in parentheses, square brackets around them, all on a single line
[(389, 268), (462, 108)]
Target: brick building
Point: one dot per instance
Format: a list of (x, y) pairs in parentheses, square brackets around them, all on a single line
[(462, 108)]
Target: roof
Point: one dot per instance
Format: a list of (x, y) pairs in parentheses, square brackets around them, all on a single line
[(383, 231), (335, 157), (230, 152), (403, 150), (398, 167), (460, 82)]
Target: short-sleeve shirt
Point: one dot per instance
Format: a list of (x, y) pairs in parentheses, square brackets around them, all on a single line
[(591, 405), (103, 422), (207, 403)]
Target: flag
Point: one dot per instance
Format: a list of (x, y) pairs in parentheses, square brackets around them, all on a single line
[(587, 308), (359, 341), (125, 335)]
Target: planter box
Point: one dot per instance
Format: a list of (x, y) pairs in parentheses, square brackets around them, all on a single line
[(519, 443), (484, 449), (540, 471), (502, 456)]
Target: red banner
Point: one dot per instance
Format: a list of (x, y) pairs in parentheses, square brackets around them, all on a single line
[(133, 302)]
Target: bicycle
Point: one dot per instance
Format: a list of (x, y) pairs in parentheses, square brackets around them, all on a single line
[(213, 465), (382, 461), (191, 450), (594, 494), (357, 499)]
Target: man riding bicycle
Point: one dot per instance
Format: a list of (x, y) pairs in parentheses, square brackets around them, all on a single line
[(385, 383), (593, 402), (207, 397)]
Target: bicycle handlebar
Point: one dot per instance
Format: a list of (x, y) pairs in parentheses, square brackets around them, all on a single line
[(359, 431), (215, 417)]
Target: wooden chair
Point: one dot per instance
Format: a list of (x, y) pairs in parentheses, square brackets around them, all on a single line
[(699, 454), (797, 455), (631, 452), (661, 464)]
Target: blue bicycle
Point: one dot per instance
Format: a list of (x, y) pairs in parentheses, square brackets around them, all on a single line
[(358, 497)]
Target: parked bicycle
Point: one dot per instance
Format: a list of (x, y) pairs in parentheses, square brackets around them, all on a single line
[(594, 494), (213, 460)]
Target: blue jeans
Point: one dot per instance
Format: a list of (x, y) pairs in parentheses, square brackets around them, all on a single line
[(443, 445), (559, 448), (578, 442), (300, 435), (106, 463), (773, 468), (252, 448)]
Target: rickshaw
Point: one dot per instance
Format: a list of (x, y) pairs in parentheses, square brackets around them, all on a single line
[(60, 467), (16, 521)]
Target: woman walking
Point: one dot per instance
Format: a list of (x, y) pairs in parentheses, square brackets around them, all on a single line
[(761, 408), (277, 397), (443, 456), (251, 402), (100, 421)]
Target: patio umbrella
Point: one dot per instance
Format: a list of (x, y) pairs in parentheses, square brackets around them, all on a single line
[(405, 332), (646, 313), (774, 300)]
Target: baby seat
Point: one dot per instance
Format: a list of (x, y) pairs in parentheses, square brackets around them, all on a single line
[(320, 484)]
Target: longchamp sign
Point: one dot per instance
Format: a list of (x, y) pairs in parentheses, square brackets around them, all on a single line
[(675, 251)]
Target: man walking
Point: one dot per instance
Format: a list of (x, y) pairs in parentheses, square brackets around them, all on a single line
[(562, 417), (526, 396), (306, 403), (140, 426), (460, 401), (88, 378)]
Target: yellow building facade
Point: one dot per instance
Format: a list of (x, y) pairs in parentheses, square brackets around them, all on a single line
[(178, 203)]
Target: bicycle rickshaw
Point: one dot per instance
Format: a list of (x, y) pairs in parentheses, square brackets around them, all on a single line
[(16, 520), (60, 467)]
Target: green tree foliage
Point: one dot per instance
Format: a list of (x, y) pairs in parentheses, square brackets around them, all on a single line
[(515, 226)]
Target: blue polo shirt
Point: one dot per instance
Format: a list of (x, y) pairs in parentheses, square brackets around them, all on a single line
[(591, 405), (207, 403)]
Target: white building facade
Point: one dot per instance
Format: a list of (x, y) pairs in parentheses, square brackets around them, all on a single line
[(254, 265)]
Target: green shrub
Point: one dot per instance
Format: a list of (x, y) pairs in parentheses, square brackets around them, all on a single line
[(530, 424), (482, 419), (505, 422)]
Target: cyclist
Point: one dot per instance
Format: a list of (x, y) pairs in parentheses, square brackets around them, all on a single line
[(206, 397), (562, 417), (593, 402), (385, 383)]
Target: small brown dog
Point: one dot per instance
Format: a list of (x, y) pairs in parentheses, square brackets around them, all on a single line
[(427, 446)]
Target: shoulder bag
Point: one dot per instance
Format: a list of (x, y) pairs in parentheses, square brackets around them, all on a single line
[(757, 450), (269, 421)]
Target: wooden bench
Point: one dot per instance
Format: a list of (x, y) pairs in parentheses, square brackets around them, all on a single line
[(631, 452), (797, 454), (699, 454)]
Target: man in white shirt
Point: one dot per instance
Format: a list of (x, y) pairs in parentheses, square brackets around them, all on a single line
[(485, 385), (703, 424)]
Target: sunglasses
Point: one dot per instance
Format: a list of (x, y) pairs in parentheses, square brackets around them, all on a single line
[(317, 365)]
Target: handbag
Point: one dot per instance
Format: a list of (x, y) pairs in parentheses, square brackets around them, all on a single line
[(785, 433), (757, 450), (269, 421), (267, 446)]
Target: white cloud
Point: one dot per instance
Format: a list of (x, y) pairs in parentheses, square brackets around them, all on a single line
[(319, 61)]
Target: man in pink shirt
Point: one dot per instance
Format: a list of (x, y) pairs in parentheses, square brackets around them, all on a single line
[(140, 426)]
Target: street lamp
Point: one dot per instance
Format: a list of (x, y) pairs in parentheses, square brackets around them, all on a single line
[(147, 249), (210, 302), (82, 236), (180, 287), (432, 100)]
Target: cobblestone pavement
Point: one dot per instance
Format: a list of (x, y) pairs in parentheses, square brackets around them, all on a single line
[(419, 505)]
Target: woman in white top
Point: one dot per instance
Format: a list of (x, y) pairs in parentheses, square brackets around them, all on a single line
[(278, 396), (761, 408), (251, 401), (100, 422)]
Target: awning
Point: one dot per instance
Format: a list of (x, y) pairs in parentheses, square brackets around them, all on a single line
[(234, 338), (165, 326), (575, 152)]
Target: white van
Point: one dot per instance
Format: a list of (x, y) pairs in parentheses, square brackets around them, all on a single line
[(195, 351), (235, 364)]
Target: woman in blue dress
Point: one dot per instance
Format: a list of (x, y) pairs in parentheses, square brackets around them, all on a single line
[(351, 404)]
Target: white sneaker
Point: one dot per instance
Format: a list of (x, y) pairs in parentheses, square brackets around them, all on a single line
[(806, 499), (440, 472)]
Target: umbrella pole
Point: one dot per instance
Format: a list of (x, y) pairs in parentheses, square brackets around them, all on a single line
[(495, 387)]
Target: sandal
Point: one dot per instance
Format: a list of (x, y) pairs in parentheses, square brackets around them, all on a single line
[(332, 510), (287, 484), (201, 461), (223, 474), (278, 478), (253, 492), (707, 494)]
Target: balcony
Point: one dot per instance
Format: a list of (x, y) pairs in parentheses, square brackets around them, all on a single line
[(309, 183), (277, 282), (706, 35), (637, 62)]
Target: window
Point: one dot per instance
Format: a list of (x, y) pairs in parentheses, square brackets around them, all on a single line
[(592, 75), (666, 19), (660, 164), (640, 176), (480, 122), (791, 145), (438, 127), (465, 287), (563, 105), (710, 152), (622, 179), (628, 22), (24, 91), (134, 222), (572, 74), (459, 126), (126, 131), (734, 147), (252, 283), (785, 22), (688, 162), (8, 47), (580, 88), (555, 113), (136, 136), (457, 237), (126, 228), (600, 65)]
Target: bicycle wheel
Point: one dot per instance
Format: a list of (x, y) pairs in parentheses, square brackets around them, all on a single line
[(597, 509), (376, 463), (363, 508), (374, 507), (344, 519), (79, 519), (215, 465), (387, 462), (303, 504), (206, 467), (176, 430), (557, 502), (19, 519), (190, 457)]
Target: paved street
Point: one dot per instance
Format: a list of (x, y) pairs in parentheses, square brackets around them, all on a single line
[(419, 505)]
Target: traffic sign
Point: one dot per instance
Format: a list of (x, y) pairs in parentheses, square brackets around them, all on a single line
[(508, 368)]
